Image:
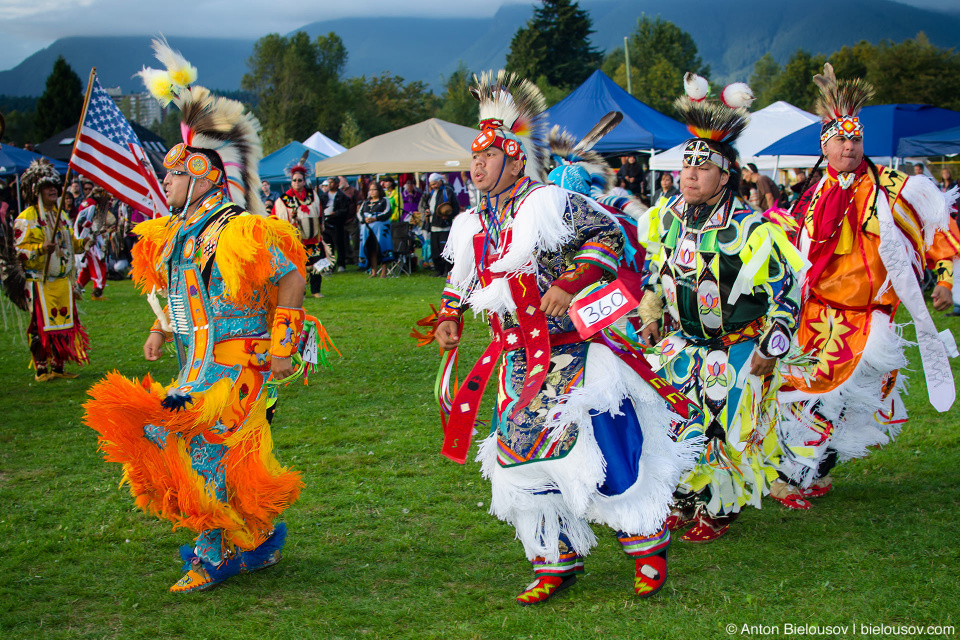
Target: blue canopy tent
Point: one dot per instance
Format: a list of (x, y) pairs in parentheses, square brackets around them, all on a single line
[(272, 166), (937, 143), (14, 161), (642, 129), (883, 127)]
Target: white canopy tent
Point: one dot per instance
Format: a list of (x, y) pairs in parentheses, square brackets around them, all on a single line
[(431, 145), (766, 126), (322, 144)]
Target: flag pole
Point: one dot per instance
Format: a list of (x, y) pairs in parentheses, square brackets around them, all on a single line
[(66, 180)]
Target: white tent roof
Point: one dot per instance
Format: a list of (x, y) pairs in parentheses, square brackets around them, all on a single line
[(322, 144), (766, 126), (432, 145)]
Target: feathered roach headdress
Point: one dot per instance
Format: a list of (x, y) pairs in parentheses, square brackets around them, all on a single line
[(575, 166), (722, 121), (220, 142), (39, 173), (300, 166), (839, 103), (511, 119)]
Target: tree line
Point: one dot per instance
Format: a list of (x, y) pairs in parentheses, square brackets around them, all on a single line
[(296, 84)]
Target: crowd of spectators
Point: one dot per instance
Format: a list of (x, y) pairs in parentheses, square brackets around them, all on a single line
[(366, 216)]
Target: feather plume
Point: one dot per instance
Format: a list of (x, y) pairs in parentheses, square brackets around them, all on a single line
[(182, 73), (39, 172), (737, 95), (711, 120), (300, 166), (840, 98), (564, 149), (606, 124), (696, 87), (519, 104), (158, 83)]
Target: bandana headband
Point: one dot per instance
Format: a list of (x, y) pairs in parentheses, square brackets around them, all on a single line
[(847, 126), (698, 152)]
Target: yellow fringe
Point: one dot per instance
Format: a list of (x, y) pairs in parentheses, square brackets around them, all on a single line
[(148, 267), (244, 257)]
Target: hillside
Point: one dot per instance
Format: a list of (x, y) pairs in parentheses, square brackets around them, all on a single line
[(729, 35)]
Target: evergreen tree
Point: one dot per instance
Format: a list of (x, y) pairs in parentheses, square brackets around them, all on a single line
[(61, 104), (555, 44), (660, 53)]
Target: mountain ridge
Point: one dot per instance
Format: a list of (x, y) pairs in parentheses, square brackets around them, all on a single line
[(730, 36)]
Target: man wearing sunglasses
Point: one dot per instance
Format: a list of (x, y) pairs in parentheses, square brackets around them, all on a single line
[(198, 452)]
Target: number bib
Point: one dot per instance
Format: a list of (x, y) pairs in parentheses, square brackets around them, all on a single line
[(601, 308)]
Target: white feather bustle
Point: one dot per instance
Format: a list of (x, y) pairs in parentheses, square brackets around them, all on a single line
[(850, 407), (931, 205), (539, 518), (539, 226)]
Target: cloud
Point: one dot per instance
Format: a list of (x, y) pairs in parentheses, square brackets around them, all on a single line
[(216, 18), (30, 25)]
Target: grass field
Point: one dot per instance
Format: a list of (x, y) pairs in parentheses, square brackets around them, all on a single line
[(391, 540)]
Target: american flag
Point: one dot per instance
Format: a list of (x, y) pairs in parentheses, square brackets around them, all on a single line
[(108, 152)]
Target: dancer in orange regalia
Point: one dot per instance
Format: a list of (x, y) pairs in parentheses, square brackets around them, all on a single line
[(198, 452), (868, 233)]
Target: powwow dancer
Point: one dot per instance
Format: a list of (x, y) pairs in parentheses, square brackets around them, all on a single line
[(90, 224), (300, 206), (566, 444), (867, 231), (45, 247), (198, 452), (725, 276)]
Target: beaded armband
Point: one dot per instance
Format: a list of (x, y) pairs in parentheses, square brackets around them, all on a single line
[(944, 273), (158, 328), (450, 307), (285, 334)]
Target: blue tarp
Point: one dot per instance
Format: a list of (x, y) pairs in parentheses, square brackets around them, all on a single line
[(272, 166), (883, 127), (642, 129), (14, 161), (938, 143)]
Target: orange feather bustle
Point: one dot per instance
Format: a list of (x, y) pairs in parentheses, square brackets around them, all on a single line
[(163, 481)]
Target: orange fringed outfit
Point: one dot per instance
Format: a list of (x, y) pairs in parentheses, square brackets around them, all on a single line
[(199, 452), (850, 400)]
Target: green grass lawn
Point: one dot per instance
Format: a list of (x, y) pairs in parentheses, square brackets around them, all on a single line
[(391, 540)]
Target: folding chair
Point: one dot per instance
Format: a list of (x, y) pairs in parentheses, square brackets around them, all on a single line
[(402, 235)]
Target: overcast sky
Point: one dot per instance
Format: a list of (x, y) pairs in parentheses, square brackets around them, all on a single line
[(26, 26)]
